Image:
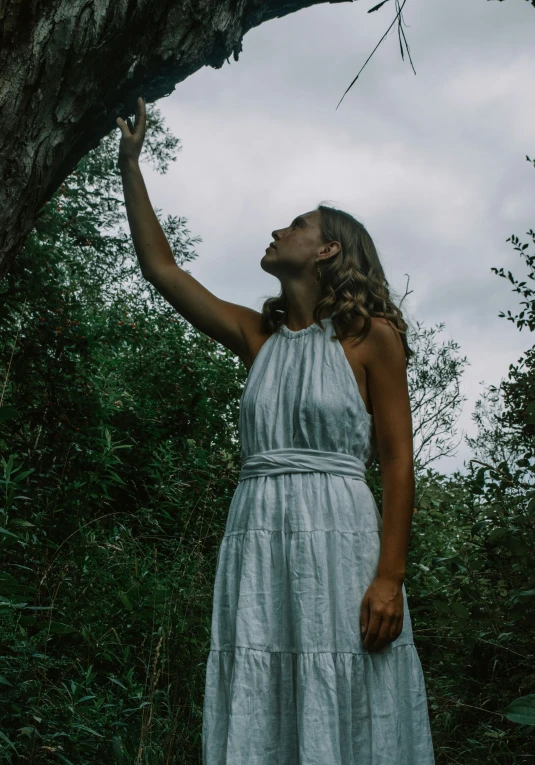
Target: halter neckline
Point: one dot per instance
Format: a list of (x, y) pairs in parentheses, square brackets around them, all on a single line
[(305, 331)]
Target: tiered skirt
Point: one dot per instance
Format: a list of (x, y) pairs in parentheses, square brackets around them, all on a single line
[(288, 680)]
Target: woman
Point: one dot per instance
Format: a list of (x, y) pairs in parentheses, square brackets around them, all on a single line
[(312, 658)]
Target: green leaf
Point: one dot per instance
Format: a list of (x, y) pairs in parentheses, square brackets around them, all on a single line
[(459, 609), (514, 543), (441, 606), (522, 710), (27, 621), (525, 594), (117, 682), (65, 759), (85, 698), (118, 748), (125, 600), (117, 477), (57, 628), (7, 533), (497, 534), (89, 730), (23, 475), (9, 742)]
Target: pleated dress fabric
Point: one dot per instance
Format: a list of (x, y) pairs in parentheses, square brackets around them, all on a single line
[(288, 681)]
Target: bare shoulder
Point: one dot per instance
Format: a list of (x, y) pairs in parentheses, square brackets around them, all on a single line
[(383, 339), (385, 333), (383, 342)]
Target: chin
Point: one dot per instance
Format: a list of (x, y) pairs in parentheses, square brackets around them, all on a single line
[(267, 267)]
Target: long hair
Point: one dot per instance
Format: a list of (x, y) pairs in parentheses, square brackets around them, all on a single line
[(353, 283)]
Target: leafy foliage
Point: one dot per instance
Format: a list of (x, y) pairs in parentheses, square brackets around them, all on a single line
[(472, 578)]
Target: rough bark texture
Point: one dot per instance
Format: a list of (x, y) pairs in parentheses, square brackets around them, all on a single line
[(69, 67)]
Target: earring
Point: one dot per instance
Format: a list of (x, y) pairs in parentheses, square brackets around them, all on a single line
[(318, 272)]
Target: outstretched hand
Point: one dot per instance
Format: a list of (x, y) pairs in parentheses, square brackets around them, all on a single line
[(132, 136), (381, 613)]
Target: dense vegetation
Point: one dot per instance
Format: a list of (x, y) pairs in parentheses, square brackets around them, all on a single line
[(118, 436)]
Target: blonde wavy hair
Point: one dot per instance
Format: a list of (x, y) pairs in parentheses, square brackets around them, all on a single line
[(353, 283)]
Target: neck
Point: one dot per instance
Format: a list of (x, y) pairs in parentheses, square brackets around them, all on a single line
[(298, 319)]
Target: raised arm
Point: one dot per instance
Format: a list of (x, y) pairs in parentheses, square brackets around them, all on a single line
[(234, 326)]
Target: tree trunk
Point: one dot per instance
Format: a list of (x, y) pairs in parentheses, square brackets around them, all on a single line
[(68, 68)]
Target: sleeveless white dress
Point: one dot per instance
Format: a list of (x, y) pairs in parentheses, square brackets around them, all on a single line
[(288, 681)]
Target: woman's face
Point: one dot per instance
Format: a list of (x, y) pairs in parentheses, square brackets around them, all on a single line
[(296, 247)]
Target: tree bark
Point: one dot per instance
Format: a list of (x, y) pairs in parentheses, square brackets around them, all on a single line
[(68, 68)]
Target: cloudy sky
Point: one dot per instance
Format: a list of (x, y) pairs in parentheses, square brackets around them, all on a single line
[(433, 164)]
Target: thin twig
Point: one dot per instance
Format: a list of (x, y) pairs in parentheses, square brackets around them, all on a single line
[(451, 758), (401, 32), (12, 352), (398, 15), (462, 704)]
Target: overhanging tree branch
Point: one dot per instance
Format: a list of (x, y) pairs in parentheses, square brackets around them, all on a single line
[(68, 68)]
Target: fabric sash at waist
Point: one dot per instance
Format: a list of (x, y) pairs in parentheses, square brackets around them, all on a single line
[(293, 460)]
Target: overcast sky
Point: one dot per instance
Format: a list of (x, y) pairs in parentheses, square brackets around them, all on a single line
[(433, 164)]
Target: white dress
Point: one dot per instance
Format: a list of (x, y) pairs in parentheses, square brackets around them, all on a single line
[(288, 681)]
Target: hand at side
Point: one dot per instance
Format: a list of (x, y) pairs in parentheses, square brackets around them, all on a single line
[(381, 613)]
